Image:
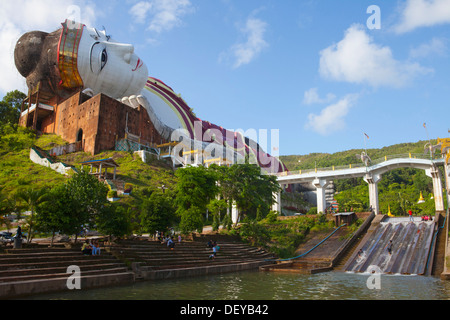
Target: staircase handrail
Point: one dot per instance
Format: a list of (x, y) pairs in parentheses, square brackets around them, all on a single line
[(304, 254)]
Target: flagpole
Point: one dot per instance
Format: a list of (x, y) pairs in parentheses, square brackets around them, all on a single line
[(365, 142), (429, 141)]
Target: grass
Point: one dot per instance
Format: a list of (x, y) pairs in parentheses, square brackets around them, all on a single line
[(131, 168), (18, 171)]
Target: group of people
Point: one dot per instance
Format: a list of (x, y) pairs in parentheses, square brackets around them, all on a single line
[(425, 217), (91, 248), (169, 241), (215, 248)]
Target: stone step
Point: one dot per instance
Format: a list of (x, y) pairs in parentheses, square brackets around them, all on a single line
[(19, 259), (179, 251), (49, 264), (195, 260), (192, 264), (164, 248), (40, 250), (14, 289), (59, 269), (27, 277), (182, 244)]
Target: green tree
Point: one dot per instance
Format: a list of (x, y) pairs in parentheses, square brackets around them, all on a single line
[(10, 107), (32, 198), (114, 220), (195, 188), (90, 195), (157, 213), (216, 206), (191, 220), (58, 214), (252, 189)]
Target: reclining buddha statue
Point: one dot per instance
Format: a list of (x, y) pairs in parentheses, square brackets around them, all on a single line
[(76, 57)]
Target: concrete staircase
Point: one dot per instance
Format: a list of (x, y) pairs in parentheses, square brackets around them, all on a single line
[(41, 270), (152, 260)]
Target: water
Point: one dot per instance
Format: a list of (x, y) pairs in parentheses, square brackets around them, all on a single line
[(254, 285)]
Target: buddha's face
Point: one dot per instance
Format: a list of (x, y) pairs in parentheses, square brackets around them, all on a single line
[(109, 67)]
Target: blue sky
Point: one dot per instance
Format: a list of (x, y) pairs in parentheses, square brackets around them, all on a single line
[(315, 70)]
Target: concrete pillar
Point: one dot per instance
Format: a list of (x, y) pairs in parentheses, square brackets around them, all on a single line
[(321, 185), (234, 213), (372, 180), (447, 178), (435, 175), (277, 205)]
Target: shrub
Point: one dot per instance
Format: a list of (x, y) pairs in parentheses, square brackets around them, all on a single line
[(128, 188), (271, 217), (112, 194)]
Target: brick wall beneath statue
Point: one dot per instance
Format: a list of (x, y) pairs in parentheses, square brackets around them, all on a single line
[(116, 118), (98, 122), (75, 121)]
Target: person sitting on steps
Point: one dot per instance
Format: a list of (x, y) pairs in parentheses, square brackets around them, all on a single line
[(86, 248)]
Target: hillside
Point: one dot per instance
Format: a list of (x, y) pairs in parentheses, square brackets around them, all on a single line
[(324, 160), (399, 190), (18, 171)]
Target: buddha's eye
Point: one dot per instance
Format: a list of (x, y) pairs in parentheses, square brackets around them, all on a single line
[(104, 59)]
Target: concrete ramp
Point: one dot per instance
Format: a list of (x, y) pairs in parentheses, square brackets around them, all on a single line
[(411, 242)]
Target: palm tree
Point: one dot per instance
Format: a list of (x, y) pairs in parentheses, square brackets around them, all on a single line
[(32, 199)]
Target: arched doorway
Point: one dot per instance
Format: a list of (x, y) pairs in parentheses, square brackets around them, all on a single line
[(80, 135)]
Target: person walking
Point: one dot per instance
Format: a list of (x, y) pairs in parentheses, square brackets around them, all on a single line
[(411, 218)]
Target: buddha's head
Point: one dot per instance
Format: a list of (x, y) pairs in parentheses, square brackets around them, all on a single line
[(78, 57)]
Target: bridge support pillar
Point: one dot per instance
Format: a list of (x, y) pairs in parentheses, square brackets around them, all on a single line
[(277, 205), (277, 196), (435, 174), (447, 178), (321, 185), (372, 180), (234, 213)]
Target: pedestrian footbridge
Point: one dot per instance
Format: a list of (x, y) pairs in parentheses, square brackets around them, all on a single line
[(320, 178)]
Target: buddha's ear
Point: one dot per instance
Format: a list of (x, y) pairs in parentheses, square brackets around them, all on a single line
[(28, 51)]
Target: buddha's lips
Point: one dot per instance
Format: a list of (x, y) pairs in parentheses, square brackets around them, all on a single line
[(138, 65)]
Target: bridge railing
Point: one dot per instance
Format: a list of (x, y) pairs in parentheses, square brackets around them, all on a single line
[(355, 165)]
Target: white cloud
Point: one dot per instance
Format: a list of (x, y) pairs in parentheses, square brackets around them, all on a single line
[(20, 16), (311, 96), (139, 11), (435, 47), (161, 15), (244, 52), (423, 13), (332, 118), (357, 59)]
